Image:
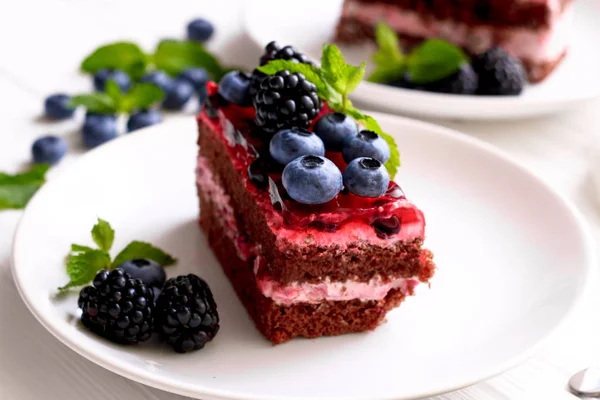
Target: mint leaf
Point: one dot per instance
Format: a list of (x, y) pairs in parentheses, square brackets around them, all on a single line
[(344, 78), (17, 190), (77, 248), (310, 72), (82, 267), (174, 56), (387, 74), (388, 52), (125, 56), (103, 235), (138, 249), (141, 96), (95, 102), (433, 60), (113, 91)]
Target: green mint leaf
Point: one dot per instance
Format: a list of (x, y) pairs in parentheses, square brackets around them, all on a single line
[(82, 267), (141, 96), (433, 60), (387, 74), (174, 56), (113, 91), (103, 235), (138, 249), (97, 102), (16, 190), (125, 56), (78, 248), (388, 52), (342, 77), (310, 72)]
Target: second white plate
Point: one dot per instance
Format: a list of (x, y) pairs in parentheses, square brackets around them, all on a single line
[(308, 24)]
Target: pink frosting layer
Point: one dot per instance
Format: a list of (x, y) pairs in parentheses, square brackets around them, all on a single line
[(541, 45)]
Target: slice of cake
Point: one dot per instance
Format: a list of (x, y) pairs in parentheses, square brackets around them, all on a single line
[(535, 31), (310, 251)]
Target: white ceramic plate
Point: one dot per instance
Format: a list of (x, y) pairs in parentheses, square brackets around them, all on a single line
[(308, 24), (513, 261)]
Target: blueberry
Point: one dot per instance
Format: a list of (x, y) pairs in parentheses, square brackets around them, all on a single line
[(49, 150), (334, 129), (120, 77), (180, 92), (56, 106), (235, 88), (312, 179), (143, 119), (98, 129), (289, 144), (366, 177), (366, 144), (196, 76), (149, 272), (159, 78), (200, 30), (91, 116)]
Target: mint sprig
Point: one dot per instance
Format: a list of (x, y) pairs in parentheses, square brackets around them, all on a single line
[(113, 101), (432, 60), (84, 262), (16, 190), (335, 80), (126, 56)]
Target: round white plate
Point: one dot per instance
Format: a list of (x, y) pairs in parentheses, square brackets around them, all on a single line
[(308, 24), (513, 261)]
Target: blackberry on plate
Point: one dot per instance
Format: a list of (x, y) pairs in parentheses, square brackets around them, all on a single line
[(286, 100), (499, 73), (117, 307), (463, 81), (186, 313)]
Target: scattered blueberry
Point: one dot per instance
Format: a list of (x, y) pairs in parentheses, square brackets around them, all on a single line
[(151, 273), (56, 106), (49, 150), (120, 77), (366, 177), (143, 119), (289, 144), (463, 81), (180, 92), (196, 76), (366, 144), (334, 129), (312, 179), (200, 30), (98, 129), (499, 73), (235, 88), (159, 78)]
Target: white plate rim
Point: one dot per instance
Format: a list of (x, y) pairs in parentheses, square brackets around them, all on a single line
[(184, 389)]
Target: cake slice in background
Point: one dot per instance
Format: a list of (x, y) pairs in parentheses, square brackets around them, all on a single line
[(535, 31)]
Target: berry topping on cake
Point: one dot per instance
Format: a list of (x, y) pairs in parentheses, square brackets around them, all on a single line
[(49, 150), (186, 313), (57, 107), (312, 180), (285, 100), (366, 144), (151, 273), (289, 144), (366, 177), (499, 73), (117, 307), (235, 88), (120, 78), (334, 129)]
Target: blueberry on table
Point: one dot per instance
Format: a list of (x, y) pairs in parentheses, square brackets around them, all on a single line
[(180, 92), (235, 88), (499, 73), (49, 150), (366, 177), (151, 273), (57, 107), (120, 78), (334, 129), (366, 144), (99, 129), (143, 119), (289, 144), (159, 78), (196, 76), (312, 180), (200, 30)]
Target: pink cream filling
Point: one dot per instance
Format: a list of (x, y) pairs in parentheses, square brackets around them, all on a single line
[(541, 45), (295, 292)]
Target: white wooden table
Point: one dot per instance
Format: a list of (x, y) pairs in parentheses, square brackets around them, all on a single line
[(41, 45)]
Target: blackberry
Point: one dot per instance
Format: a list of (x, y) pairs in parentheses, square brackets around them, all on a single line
[(286, 100), (499, 73), (463, 81), (186, 313), (117, 307)]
